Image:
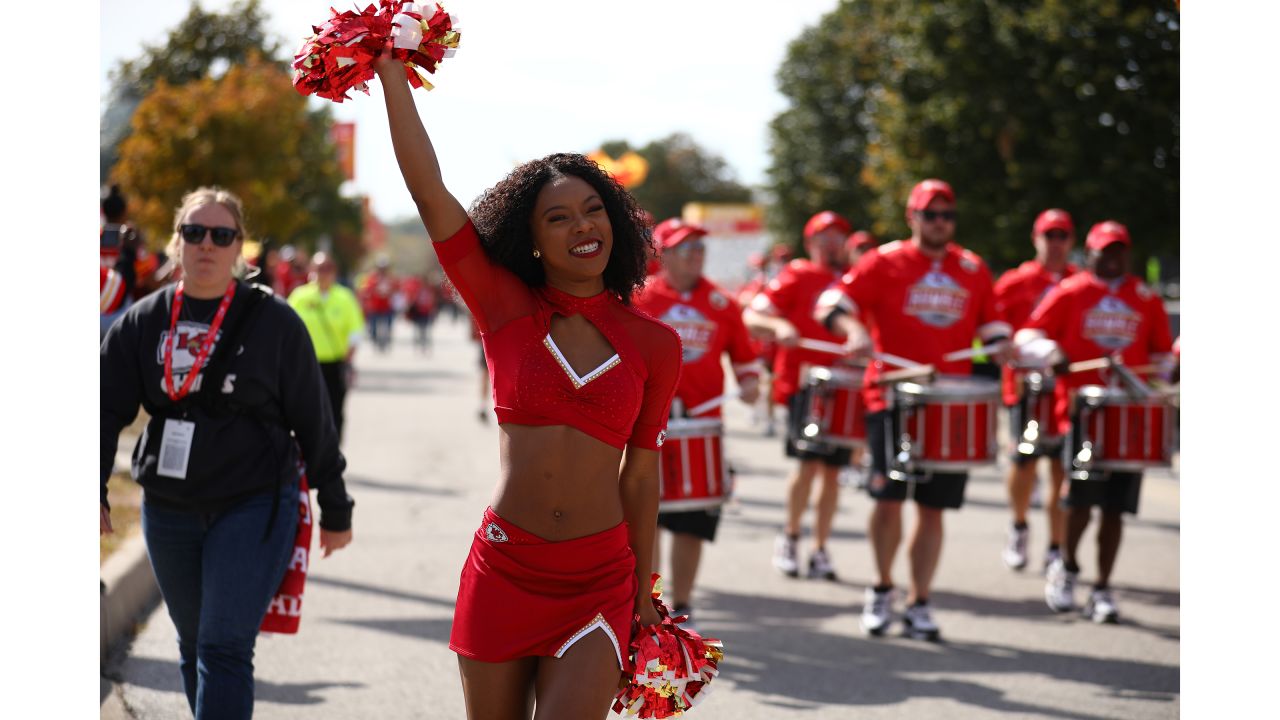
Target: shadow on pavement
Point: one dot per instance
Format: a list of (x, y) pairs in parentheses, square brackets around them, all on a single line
[(774, 649), (164, 676), (434, 629), (370, 483), (385, 592), (774, 526)]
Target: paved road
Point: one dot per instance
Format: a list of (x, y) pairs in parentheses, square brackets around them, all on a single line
[(422, 467)]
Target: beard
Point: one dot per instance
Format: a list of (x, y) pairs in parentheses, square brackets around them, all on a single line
[(936, 240)]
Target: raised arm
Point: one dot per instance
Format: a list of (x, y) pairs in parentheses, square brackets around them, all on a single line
[(441, 212)]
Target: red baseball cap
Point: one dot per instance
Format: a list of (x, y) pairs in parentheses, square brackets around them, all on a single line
[(1053, 219), (673, 231), (925, 191), (1105, 233), (823, 220), (861, 240)]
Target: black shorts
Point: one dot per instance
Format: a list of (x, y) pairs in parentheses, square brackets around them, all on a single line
[(829, 455), (936, 490), (1042, 449), (700, 523), (1111, 491)]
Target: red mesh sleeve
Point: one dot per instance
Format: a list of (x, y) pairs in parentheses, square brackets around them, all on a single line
[(663, 353), (494, 294)]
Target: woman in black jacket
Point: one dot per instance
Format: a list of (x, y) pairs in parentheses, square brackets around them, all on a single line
[(235, 397)]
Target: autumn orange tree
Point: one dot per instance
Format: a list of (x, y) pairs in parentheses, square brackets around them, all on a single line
[(248, 131)]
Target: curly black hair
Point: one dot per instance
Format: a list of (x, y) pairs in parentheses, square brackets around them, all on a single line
[(503, 219)]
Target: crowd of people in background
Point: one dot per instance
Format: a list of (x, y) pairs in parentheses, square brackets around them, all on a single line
[(849, 302)]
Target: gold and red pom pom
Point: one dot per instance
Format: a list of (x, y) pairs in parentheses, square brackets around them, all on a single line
[(671, 668), (339, 56)]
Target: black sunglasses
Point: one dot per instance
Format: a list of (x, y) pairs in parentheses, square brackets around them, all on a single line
[(1057, 234), (931, 215), (222, 236)]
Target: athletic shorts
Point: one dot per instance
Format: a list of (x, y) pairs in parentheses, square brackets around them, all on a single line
[(935, 490), (699, 523), (521, 595), (1111, 491), (829, 455)]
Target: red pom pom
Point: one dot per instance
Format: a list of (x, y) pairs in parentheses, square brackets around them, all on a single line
[(672, 668), (341, 53)]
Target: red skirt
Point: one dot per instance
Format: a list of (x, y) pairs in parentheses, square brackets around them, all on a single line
[(522, 596)]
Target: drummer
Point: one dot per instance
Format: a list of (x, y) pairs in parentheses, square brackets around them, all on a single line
[(709, 324), (1099, 313), (1017, 292), (919, 299), (784, 310)]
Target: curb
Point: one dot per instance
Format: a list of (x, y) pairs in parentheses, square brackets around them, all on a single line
[(128, 590)]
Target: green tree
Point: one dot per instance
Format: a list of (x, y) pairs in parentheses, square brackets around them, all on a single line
[(248, 131), (203, 42), (1021, 106), (680, 171)]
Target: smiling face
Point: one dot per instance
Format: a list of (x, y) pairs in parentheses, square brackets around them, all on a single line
[(207, 268), (571, 230)]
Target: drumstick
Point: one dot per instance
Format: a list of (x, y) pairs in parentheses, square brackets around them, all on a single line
[(910, 373), (1103, 363), (1132, 383), (821, 346), (972, 352), (837, 349), (711, 404)]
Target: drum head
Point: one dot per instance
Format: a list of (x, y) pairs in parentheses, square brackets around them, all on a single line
[(843, 377), (953, 388), (1100, 395), (694, 427)]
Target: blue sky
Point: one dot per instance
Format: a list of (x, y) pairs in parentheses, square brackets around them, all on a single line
[(532, 78)]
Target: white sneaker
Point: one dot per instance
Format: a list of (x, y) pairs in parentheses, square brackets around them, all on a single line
[(785, 557), (1050, 557), (1060, 588), (877, 611), (1015, 553), (1101, 607), (918, 623), (820, 565)]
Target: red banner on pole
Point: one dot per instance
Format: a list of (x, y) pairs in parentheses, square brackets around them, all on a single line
[(343, 135)]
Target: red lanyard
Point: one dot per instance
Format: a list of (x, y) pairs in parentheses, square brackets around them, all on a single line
[(205, 346)]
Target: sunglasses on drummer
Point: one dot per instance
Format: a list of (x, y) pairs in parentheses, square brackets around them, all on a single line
[(1058, 235), (193, 234), (931, 215)]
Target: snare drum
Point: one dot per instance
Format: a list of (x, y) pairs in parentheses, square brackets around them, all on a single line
[(831, 411), (1037, 433), (691, 468), (948, 425), (1113, 431)]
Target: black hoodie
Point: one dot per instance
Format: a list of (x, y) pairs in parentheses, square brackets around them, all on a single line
[(272, 403)]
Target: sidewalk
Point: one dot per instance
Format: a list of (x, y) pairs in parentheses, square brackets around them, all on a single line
[(376, 619)]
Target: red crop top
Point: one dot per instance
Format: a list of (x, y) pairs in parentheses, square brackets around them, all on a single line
[(625, 401)]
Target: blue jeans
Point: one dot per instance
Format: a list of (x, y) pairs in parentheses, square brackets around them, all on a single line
[(380, 329), (217, 574)]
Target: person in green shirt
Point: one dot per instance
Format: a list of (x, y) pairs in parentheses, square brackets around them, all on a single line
[(333, 318)]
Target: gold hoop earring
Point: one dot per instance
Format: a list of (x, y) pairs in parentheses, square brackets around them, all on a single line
[(537, 253)]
